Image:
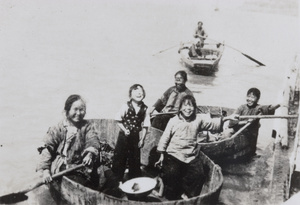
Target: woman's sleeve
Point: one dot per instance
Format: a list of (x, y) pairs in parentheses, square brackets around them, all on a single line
[(165, 97), (162, 101), (51, 142), (92, 143)]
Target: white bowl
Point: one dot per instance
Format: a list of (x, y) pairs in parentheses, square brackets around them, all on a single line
[(144, 184)]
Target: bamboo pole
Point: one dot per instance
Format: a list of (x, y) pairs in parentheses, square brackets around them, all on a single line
[(164, 113), (267, 116)]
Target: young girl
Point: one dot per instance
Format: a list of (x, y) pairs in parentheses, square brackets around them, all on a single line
[(251, 108), (132, 118), (182, 171)]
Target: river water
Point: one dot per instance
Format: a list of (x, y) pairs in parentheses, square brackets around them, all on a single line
[(98, 49)]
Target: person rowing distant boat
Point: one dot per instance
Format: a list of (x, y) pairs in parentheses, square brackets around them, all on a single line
[(200, 33), (170, 100)]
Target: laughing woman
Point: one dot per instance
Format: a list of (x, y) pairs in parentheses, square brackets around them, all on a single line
[(182, 171), (72, 141)]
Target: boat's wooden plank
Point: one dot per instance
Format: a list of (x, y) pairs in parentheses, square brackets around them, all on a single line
[(297, 148)]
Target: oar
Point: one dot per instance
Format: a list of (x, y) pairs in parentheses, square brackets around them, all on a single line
[(267, 116), (171, 47), (164, 113), (249, 57), (165, 49), (20, 196)]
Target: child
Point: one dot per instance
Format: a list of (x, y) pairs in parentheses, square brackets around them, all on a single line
[(251, 108), (132, 118), (182, 171)]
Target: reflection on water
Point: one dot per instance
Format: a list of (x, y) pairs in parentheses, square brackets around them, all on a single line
[(99, 50)]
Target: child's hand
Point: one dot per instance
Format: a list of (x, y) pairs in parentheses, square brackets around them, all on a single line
[(159, 163), (141, 143), (127, 132), (234, 117)]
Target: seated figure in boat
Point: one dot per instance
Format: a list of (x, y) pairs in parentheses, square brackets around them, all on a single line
[(132, 118), (200, 33), (169, 102), (182, 171), (250, 108), (196, 50), (71, 142)]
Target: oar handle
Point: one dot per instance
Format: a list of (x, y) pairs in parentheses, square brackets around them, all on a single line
[(267, 116), (54, 176), (164, 113)]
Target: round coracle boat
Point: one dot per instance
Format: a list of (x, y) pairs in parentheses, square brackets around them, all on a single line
[(74, 193)]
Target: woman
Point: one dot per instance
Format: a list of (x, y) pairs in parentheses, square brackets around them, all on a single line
[(182, 171), (72, 141), (170, 100)]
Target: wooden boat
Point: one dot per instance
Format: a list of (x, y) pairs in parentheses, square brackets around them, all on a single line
[(75, 193), (205, 64), (237, 148)]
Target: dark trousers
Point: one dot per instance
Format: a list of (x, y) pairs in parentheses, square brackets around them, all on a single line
[(127, 151), (180, 177)]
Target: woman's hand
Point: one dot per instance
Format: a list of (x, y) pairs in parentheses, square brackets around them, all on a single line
[(87, 160), (159, 163), (47, 176)]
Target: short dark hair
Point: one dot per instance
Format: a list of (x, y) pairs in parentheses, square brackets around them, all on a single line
[(71, 99), (255, 91), (193, 101), (134, 87), (182, 73)]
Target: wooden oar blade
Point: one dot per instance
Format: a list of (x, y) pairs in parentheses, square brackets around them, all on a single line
[(13, 198), (256, 61)]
